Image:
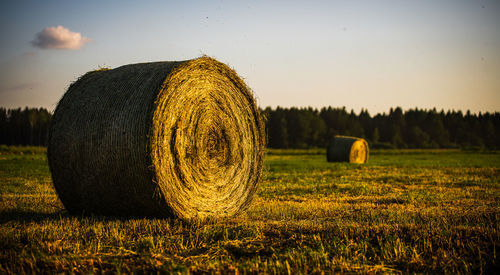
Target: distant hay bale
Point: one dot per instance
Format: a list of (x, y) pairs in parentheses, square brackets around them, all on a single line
[(350, 149), (181, 139)]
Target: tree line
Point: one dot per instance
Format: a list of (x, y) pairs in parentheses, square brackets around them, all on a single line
[(414, 128), (309, 127), (28, 126)]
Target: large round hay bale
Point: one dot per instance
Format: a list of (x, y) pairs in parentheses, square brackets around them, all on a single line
[(350, 149), (181, 139)]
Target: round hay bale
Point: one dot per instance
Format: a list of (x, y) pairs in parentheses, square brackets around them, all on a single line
[(182, 139), (349, 149)]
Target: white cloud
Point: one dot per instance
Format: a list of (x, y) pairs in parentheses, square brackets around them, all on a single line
[(59, 38)]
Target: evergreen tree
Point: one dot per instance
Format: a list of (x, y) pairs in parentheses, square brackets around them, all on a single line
[(28, 126), (278, 133), (298, 128), (375, 135)]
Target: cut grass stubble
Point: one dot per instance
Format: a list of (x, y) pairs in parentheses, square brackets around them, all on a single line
[(389, 215)]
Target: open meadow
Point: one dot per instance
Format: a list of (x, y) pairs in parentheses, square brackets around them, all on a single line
[(403, 211)]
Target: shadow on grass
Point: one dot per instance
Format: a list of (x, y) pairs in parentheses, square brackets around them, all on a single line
[(23, 216), (30, 216)]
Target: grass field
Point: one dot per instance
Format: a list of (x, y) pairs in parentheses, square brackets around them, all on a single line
[(404, 211)]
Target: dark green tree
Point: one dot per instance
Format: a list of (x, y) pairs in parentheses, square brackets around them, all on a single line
[(277, 130)]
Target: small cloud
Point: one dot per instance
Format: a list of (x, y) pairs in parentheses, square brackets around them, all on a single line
[(59, 38)]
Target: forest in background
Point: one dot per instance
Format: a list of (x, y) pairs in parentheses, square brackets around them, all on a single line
[(414, 128), (28, 126), (309, 127)]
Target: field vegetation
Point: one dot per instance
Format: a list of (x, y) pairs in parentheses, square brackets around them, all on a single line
[(404, 211)]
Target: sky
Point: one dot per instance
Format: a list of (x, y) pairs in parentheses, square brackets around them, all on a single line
[(358, 54)]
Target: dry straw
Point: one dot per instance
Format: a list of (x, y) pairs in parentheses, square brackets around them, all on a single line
[(350, 149), (181, 139)]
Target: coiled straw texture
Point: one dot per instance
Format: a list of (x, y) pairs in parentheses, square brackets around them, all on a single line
[(347, 149), (181, 139)]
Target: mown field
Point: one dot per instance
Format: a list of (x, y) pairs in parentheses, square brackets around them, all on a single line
[(405, 211)]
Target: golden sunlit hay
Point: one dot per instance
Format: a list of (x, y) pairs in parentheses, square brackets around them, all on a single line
[(157, 139), (350, 149)]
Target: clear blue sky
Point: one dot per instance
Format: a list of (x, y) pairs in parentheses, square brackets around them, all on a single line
[(357, 54)]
